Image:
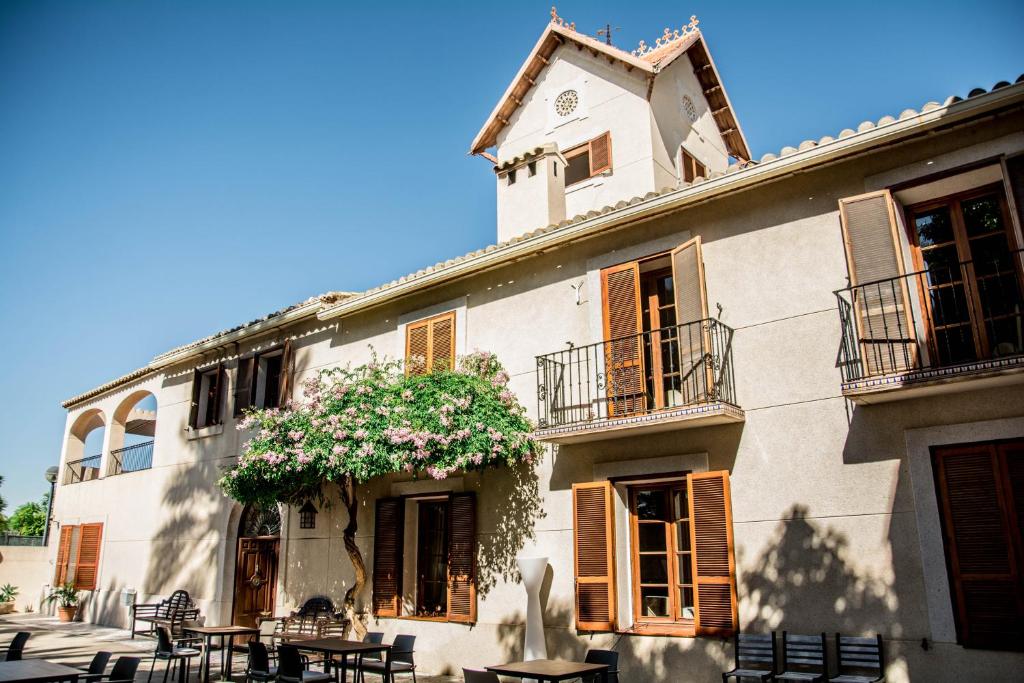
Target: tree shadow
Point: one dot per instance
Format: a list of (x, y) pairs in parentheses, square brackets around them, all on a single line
[(514, 502)]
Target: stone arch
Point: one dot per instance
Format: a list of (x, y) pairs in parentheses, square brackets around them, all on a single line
[(79, 465), (133, 433)]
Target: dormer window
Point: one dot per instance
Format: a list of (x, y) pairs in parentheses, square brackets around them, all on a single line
[(689, 167), (588, 160)]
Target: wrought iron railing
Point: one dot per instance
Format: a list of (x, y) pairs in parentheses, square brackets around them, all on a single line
[(132, 458), (85, 469), (672, 367), (17, 539), (943, 317)]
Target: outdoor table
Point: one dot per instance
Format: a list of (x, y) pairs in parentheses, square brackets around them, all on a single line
[(209, 633), (329, 647), (36, 671), (553, 670)]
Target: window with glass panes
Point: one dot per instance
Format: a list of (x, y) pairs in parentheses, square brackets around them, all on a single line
[(661, 553)]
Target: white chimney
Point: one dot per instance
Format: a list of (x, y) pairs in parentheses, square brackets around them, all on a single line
[(531, 191)]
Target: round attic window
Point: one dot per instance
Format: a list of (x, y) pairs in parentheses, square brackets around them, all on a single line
[(566, 102), (689, 109)]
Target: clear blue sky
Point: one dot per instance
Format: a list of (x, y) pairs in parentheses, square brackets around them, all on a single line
[(171, 169)]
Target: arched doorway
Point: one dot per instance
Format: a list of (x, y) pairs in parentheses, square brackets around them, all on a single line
[(259, 539)]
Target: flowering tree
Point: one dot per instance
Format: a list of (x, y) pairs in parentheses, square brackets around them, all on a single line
[(358, 423)]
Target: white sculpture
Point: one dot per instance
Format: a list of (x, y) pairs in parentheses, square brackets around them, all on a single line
[(532, 571)]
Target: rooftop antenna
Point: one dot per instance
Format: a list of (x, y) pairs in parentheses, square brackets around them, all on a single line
[(606, 33)]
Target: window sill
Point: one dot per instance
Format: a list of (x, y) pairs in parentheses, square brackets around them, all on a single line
[(670, 630), (193, 433), (411, 617), (593, 181)]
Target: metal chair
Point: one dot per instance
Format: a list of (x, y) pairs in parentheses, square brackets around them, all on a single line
[(17, 646), (804, 659), (861, 660), (124, 670), (607, 657), (269, 628), (399, 661), (97, 666), (167, 651), (755, 657), (290, 668), (474, 676), (258, 667)]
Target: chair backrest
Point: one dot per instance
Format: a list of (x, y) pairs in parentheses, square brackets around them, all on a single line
[(124, 669), (373, 637), (289, 662), (99, 663), (268, 627), (259, 658), (608, 657), (402, 649), (860, 655), (330, 628), (17, 646), (164, 645), (473, 676), (756, 651), (804, 653)]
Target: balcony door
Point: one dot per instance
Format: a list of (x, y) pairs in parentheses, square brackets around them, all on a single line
[(970, 283)]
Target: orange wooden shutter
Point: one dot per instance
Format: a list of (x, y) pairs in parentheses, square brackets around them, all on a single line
[(197, 387), (881, 310), (624, 362), (976, 487), (417, 348), (244, 384), (88, 557), (462, 558), (713, 559), (217, 392), (63, 551), (600, 153), (442, 342), (594, 542), (691, 307), (388, 534), (284, 389)]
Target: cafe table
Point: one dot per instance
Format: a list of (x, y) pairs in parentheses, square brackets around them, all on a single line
[(553, 670), (331, 647), (208, 633), (36, 671)]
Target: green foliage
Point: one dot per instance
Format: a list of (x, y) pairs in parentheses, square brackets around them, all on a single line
[(374, 420), (66, 595), (3, 506), (8, 592), (29, 519)]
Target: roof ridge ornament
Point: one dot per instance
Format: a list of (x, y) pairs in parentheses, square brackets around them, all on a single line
[(559, 21), (666, 38)]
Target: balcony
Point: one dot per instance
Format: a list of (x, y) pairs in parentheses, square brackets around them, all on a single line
[(957, 327), (671, 378), (85, 469), (132, 458)]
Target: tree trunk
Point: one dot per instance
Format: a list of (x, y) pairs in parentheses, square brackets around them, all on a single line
[(349, 499)]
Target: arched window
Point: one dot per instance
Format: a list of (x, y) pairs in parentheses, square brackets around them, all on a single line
[(260, 520)]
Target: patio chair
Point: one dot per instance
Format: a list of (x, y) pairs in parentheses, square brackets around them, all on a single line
[(861, 660), (258, 667), (474, 676), (399, 661), (755, 657), (124, 670), (290, 668), (13, 652), (172, 612), (97, 667), (268, 628), (174, 655), (804, 659), (608, 657)]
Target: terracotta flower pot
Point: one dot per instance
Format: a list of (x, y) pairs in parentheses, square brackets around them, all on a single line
[(6, 607), (67, 613)]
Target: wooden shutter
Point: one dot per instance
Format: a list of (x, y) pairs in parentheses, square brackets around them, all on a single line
[(88, 556), (691, 308), (594, 543), (713, 558), (600, 153), (462, 558), (388, 534), (245, 384), (218, 389), (284, 393), (442, 342), (976, 490), (624, 362), (197, 387), (63, 552), (417, 348), (881, 313)]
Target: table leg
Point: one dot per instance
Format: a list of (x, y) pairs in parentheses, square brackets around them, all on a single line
[(226, 673), (205, 664)]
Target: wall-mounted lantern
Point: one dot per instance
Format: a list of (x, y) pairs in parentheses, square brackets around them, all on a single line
[(307, 516)]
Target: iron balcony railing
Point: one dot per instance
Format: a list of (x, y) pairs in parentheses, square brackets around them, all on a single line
[(85, 469), (17, 539), (672, 367), (943, 317), (132, 458)]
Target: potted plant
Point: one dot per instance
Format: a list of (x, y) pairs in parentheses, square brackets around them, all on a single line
[(67, 598), (7, 594)]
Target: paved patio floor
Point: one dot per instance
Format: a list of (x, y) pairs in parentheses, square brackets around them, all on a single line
[(75, 644)]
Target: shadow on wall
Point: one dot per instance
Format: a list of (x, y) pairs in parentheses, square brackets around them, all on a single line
[(513, 497)]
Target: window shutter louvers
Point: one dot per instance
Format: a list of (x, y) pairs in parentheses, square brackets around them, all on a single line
[(417, 348), (197, 387), (88, 556), (287, 371), (881, 311), (594, 543), (624, 371), (600, 153), (692, 305), (63, 552), (713, 559), (218, 388), (442, 343), (388, 533), (462, 558), (244, 384)]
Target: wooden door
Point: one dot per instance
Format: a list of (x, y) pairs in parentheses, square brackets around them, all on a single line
[(255, 579)]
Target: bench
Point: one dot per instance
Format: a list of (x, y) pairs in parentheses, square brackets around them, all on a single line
[(171, 613)]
